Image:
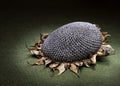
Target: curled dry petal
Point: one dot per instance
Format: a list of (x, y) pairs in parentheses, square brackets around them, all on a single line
[(53, 65), (40, 61), (44, 36), (34, 52), (48, 61), (93, 59), (80, 63), (61, 68), (74, 69)]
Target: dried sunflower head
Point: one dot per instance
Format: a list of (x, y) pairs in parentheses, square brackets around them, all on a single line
[(71, 46)]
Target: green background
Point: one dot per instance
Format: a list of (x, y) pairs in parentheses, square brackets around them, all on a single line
[(21, 22)]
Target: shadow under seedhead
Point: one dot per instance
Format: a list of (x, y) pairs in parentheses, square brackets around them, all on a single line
[(102, 60)]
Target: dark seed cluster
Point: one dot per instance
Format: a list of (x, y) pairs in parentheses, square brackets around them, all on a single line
[(72, 42)]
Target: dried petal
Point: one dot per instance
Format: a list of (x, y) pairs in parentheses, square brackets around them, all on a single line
[(34, 52), (61, 68), (44, 36), (40, 61), (41, 53), (48, 61), (53, 65), (74, 69), (80, 63), (93, 59), (100, 54), (86, 64)]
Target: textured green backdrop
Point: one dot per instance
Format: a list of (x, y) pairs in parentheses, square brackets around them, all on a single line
[(20, 27)]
